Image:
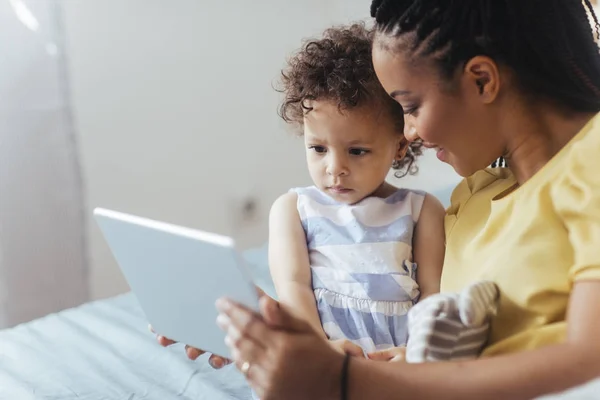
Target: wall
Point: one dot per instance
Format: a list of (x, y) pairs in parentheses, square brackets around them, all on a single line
[(42, 247), (176, 112)]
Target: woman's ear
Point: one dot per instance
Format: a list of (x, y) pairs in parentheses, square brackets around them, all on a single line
[(483, 76)]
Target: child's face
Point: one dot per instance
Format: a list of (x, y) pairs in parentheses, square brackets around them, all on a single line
[(349, 153)]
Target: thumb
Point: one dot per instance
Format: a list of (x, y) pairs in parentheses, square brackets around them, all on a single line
[(260, 292), (276, 317), (353, 349)]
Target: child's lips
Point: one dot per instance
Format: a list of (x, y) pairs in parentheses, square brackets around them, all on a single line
[(340, 189)]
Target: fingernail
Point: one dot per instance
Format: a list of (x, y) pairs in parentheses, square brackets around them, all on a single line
[(215, 363), (223, 321), (222, 305)]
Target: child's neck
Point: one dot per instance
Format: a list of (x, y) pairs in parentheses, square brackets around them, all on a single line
[(384, 190)]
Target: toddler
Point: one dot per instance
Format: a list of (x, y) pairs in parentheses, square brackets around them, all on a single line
[(352, 254)]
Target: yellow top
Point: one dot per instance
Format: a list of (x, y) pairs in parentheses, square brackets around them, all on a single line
[(534, 241)]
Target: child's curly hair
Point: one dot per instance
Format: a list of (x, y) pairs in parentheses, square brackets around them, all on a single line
[(338, 67)]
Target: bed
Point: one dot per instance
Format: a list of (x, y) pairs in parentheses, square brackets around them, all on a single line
[(103, 350)]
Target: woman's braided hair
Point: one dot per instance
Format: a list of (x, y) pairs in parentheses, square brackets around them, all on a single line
[(338, 67), (549, 44)]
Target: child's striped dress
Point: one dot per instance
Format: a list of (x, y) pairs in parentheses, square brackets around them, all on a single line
[(363, 275)]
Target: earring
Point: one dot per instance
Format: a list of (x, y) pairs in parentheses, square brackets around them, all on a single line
[(396, 164)]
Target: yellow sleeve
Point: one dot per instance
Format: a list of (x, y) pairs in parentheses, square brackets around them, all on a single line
[(577, 200)]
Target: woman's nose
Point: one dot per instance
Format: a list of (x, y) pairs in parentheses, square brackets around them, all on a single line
[(410, 132)]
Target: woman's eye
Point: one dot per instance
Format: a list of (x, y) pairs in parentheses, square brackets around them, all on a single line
[(318, 149), (358, 152), (410, 110)]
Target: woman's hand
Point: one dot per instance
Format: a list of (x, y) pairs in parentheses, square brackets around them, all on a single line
[(393, 354), (217, 362), (344, 346), (267, 356)]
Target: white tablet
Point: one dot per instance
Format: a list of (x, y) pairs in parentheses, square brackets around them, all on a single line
[(177, 274)]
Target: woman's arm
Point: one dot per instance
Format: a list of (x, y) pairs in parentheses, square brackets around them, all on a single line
[(289, 263), (429, 246), (517, 376), (292, 362)]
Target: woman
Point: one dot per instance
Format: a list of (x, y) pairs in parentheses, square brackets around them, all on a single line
[(478, 80)]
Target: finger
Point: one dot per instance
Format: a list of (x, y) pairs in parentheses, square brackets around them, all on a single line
[(260, 292), (277, 317), (398, 358), (245, 351), (240, 322), (192, 352), (353, 349), (218, 362), (269, 309), (163, 341), (257, 378), (239, 339)]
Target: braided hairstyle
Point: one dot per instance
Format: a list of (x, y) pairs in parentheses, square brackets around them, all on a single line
[(338, 67), (548, 44)]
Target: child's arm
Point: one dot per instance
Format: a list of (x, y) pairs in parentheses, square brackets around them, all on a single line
[(429, 246), (289, 263)]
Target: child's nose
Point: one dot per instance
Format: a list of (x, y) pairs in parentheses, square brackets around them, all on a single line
[(336, 167)]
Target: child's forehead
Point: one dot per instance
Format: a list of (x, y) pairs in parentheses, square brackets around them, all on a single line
[(326, 121)]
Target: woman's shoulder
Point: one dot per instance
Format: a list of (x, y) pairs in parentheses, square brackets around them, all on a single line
[(577, 182), (575, 196), (585, 147)]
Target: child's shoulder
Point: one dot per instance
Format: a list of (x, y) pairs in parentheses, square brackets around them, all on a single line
[(420, 201), (401, 195), (313, 194), (291, 199)]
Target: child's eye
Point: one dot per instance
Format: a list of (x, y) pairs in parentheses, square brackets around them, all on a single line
[(359, 152), (318, 149)]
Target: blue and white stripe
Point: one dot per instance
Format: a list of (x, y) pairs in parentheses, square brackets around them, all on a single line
[(363, 273)]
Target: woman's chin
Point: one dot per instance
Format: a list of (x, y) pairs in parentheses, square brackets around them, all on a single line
[(461, 169)]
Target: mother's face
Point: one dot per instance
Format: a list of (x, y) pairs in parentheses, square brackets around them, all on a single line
[(454, 117)]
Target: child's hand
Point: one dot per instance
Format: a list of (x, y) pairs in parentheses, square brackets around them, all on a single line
[(345, 346), (393, 354)]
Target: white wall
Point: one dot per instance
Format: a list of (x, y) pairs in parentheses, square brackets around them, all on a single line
[(42, 248), (176, 112)]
